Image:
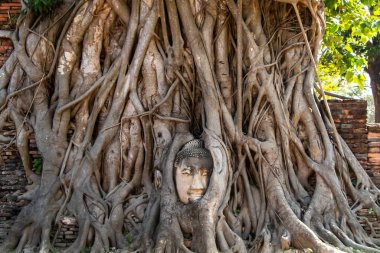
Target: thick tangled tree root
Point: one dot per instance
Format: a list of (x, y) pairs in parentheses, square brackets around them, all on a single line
[(113, 89)]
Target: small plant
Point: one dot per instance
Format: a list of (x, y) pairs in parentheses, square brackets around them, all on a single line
[(37, 165), (128, 238), (43, 6), (53, 250), (85, 250), (236, 212), (371, 211), (354, 182)]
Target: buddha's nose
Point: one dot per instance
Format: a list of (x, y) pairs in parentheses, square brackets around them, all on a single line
[(197, 182)]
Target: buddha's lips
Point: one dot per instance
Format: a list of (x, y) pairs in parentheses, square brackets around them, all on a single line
[(196, 193)]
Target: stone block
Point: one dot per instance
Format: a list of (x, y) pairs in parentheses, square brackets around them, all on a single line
[(60, 245)]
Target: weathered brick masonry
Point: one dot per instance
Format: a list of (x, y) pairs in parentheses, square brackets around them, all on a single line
[(12, 185), (6, 48), (9, 11), (12, 182), (374, 151), (12, 176), (350, 117)]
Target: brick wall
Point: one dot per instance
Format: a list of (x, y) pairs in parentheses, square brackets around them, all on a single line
[(66, 232), (6, 48), (350, 117), (12, 175), (12, 184), (374, 152), (9, 10)]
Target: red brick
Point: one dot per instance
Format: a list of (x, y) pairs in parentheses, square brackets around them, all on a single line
[(374, 150), (360, 130), (374, 144), (18, 5), (375, 160), (374, 155)]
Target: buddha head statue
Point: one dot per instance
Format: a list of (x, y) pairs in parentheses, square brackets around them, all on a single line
[(193, 168)]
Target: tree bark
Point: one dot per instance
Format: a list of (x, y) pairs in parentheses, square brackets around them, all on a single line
[(373, 70)]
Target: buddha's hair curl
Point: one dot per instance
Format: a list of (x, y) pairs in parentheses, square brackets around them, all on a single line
[(193, 148)]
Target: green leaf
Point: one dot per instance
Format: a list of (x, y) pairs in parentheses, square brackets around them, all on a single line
[(43, 6), (349, 76), (352, 27), (37, 165), (348, 48)]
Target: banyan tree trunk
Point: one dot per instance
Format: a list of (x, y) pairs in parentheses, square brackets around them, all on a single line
[(114, 89)]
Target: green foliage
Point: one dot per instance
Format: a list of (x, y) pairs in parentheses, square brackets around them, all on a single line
[(236, 212), (85, 250), (43, 6), (371, 211), (53, 250), (37, 165), (128, 238), (352, 27), (354, 182)]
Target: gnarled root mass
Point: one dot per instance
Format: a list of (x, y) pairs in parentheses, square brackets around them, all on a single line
[(113, 89)]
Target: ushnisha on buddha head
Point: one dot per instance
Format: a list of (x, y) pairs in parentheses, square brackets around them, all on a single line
[(193, 168)]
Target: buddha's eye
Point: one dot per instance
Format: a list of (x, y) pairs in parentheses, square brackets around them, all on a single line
[(205, 173), (186, 171)]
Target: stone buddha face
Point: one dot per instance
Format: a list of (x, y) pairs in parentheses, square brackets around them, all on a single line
[(193, 168)]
